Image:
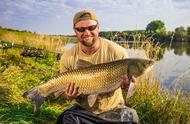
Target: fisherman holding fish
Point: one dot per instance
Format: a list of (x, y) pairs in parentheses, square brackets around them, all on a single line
[(93, 74), (92, 49)]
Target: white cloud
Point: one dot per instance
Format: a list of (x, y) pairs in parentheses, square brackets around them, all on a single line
[(182, 4)]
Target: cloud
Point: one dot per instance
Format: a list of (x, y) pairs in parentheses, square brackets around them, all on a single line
[(180, 1), (99, 5), (182, 4), (48, 8), (30, 7)]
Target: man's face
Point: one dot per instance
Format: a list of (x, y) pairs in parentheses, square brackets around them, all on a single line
[(87, 31)]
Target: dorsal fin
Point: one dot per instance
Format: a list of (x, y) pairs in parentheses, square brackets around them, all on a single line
[(83, 64)]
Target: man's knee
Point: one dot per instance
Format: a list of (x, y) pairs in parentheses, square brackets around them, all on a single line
[(68, 116)]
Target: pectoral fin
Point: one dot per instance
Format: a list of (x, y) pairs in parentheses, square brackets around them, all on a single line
[(58, 93), (131, 90), (92, 99)]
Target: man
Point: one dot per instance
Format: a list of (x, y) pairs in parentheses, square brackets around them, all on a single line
[(93, 49)]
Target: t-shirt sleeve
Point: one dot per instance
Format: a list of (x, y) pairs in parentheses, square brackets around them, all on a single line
[(68, 60), (120, 53), (63, 64)]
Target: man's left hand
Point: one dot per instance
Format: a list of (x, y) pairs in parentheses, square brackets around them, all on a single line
[(126, 80)]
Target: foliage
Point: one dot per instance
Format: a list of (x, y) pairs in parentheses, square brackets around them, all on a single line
[(124, 35), (156, 106), (155, 29), (156, 26), (180, 34), (188, 34), (18, 74)]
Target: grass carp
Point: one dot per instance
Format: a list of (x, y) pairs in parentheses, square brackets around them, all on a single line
[(91, 79)]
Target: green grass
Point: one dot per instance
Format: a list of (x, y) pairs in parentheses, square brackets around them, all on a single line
[(23, 113), (18, 74)]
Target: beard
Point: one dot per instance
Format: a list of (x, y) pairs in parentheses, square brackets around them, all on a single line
[(89, 42)]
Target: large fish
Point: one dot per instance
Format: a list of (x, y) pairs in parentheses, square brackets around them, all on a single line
[(91, 79)]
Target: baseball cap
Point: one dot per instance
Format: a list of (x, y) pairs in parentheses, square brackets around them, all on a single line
[(84, 15)]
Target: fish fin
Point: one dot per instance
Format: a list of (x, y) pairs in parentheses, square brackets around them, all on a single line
[(36, 97), (131, 90), (82, 63), (92, 99), (58, 93)]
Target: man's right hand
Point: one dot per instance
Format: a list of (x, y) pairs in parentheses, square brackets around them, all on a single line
[(71, 91)]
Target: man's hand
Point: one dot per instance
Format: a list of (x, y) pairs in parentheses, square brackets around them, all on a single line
[(71, 91), (126, 80)]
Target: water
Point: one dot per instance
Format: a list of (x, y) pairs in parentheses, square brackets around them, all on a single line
[(173, 69)]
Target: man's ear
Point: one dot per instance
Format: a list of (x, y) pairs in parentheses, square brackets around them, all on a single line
[(98, 27)]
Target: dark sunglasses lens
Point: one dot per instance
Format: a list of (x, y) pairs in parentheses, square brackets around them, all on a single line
[(91, 28), (82, 29)]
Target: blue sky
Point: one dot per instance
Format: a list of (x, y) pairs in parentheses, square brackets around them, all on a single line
[(55, 16)]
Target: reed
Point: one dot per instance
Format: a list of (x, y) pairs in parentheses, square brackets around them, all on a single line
[(156, 105)]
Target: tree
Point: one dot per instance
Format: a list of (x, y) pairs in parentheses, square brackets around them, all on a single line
[(157, 29), (180, 34), (188, 34), (156, 26)]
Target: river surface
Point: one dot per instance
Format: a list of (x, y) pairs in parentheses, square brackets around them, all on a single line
[(173, 69)]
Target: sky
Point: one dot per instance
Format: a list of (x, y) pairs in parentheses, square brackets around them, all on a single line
[(56, 16)]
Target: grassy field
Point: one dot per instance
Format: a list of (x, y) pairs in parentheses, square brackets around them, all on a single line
[(154, 105), (47, 42)]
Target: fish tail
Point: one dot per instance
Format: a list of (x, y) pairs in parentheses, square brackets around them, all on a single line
[(36, 97)]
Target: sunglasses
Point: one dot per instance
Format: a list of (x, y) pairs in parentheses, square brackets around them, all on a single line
[(90, 28)]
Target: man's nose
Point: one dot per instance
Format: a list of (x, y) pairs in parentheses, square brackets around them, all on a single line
[(87, 31)]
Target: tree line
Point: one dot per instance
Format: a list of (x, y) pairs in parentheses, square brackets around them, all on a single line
[(155, 29)]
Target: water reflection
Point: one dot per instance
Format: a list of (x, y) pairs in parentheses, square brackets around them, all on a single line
[(173, 70), (179, 48)]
